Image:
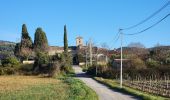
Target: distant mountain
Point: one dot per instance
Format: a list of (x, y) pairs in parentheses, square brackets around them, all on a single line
[(160, 48), (6, 49), (134, 50), (2, 42)]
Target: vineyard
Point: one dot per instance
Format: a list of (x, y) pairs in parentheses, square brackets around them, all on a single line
[(157, 87)]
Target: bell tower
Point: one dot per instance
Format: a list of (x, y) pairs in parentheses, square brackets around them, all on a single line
[(79, 41)]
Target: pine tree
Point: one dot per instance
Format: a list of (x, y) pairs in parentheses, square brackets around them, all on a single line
[(40, 41)]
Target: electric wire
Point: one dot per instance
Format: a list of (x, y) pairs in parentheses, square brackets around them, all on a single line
[(150, 26), (152, 15), (117, 36)]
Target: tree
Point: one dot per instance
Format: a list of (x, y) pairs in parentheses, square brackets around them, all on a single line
[(10, 62), (40, 41), (26, 41), (24, 48), (66, 57), (65, 40), (17, 49), (41, 48)]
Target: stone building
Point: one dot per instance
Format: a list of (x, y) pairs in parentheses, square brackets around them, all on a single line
[(83, 51)]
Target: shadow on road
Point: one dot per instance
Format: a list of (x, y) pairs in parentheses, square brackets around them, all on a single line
[(83, 75), (121, 92)]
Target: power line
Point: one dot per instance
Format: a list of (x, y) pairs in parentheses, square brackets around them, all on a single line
[(150, 26), (155, 13), (116, 38)]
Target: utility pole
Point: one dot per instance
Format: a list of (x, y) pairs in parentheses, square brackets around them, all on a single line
[(121, 36), (86, 54), (90, 52), (96, 60)]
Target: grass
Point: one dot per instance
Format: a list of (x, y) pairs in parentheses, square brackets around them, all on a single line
[(79, 91), (143, 95), (40, 88), (32, 88)]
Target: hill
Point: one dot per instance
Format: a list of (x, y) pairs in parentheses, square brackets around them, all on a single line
[(2, 42)]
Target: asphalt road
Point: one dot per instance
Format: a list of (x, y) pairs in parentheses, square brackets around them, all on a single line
[(102, 91)]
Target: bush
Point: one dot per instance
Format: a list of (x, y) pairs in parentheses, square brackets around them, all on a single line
[(54, 69), (10, 62), (7, 70), (152, 63), (41, 64), (138, 63), (66, 63)]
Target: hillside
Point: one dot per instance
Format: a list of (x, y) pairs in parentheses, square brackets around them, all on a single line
[(6, 49), (2, 42)]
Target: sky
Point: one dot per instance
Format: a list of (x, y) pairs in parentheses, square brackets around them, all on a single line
[(98, 20)]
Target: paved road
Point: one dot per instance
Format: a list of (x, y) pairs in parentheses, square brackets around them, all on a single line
[(102, 91)]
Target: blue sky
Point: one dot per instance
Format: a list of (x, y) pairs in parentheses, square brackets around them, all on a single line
[(96, 19)]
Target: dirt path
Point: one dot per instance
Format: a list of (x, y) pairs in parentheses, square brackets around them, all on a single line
[(103, 91)]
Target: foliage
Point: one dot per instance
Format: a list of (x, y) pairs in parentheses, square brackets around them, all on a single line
[(17, 50), (26, 41), (6, 50), (66, 58), (54, 69), (66, 63), (24, 48), (65, 40), (152, 63), (25, 69), (41, 64), (40, 41), (81, 58), (9, 62), (137, 63), (7, 70)]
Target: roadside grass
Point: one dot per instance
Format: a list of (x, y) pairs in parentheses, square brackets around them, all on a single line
[(40, 88), (143, 95), (79, 91)]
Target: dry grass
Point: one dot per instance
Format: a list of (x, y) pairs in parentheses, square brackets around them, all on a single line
[(10, 83), (40, 88)]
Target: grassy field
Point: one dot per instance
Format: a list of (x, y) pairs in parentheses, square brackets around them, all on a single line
[(143, 95), (38, 88)]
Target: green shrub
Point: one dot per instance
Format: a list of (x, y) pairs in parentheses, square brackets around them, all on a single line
[(41, 64), (152, 63), (66, 62), (10, 62), (7, 71)]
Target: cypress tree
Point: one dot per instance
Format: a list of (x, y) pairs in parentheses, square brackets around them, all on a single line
[(40, 41), (65, 40), (24, 49), (26, 41), (41, 48), (66, 57)]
